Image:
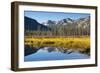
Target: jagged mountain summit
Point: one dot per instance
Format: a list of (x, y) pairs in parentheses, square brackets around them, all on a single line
[(79, 23)]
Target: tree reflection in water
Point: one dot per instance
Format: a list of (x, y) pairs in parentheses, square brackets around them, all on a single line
[(31, 50)]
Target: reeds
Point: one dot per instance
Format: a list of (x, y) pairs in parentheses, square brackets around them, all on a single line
[(61, 42)]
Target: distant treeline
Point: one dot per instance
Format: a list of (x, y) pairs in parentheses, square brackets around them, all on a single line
[(59, 30)]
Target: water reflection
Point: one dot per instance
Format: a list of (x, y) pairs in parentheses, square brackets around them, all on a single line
[(31, 50), (52, 53)]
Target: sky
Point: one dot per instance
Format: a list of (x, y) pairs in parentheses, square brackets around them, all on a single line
[(41, 16)]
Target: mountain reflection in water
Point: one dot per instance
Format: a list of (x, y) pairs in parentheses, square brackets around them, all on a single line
[(52, 53)]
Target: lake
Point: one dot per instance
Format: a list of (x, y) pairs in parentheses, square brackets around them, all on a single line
[(50, 53)]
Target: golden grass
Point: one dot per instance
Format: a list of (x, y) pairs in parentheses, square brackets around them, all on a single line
[(64, 42)]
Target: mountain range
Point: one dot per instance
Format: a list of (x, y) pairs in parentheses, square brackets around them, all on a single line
[(32, 24), (81, 22)]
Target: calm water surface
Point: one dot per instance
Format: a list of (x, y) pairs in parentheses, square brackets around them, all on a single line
[(47, 53)]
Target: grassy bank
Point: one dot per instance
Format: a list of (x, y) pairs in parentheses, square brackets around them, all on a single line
[(73, 43)]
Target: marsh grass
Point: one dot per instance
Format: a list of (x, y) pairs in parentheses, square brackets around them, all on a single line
[(60, 42)]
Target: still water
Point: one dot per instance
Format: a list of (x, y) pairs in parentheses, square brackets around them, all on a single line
[(48, 53)]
